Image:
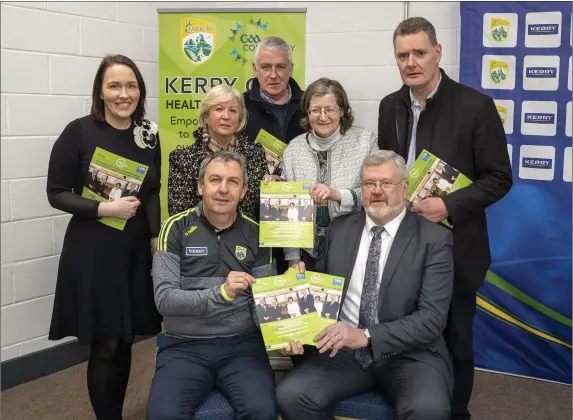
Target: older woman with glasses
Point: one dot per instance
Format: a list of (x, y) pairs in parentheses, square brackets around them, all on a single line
[(329, 155)]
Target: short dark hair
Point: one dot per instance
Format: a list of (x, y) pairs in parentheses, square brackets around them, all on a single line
[(321, 87), (224, 156), (414, 25), (98, 108)]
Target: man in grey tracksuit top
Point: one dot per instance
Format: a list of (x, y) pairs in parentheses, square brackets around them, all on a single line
[(206, 260)]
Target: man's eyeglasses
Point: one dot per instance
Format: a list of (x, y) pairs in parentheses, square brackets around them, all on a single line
[(384, 185), (315, 112)]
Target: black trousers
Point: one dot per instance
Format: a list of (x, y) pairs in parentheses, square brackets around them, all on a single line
[(459, 339), (417, 391)]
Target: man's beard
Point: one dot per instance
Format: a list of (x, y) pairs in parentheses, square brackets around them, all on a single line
[(384, 213)]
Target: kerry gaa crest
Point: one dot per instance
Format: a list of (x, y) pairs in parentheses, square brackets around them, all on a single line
[(240, 252), (502, 111), (197, 40), (499, 29), (498, 71)]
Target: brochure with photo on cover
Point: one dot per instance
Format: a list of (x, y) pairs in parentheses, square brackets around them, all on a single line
[(286, 215), (111, 177), (296, 306), (274, 149), (432, 177)]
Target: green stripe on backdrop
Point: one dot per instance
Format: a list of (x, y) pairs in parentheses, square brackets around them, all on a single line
[(493, 310), (510, 318), (502, 284)]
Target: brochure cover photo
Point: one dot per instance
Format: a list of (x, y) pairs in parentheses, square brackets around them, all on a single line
[(274, 149), (286, 215), (111, 177), (432, 177), (296, 306)]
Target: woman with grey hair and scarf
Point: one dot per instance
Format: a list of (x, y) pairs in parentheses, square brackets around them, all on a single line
[(329, 155)]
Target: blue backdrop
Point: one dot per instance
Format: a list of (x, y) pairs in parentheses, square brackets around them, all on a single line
[(519, 53)]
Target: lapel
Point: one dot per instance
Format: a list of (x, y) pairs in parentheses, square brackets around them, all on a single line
[(402, 116), (352, 245), (403, 236)]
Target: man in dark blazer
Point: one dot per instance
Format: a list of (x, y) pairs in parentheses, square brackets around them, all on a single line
[(263, 312), (462, 127), (306, 302), (331, 308), (266, 212), (132, 192), (399, 278)]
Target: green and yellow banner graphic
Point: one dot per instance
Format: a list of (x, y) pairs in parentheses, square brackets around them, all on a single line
[(200, 50)]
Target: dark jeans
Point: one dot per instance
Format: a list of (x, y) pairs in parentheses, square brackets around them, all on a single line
[(459, 339), (417, 390), (187, 370)]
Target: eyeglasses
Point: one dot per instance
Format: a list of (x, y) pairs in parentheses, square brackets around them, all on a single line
[(384, 185), (315, 112)]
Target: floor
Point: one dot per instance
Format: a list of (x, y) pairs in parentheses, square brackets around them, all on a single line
[(63, 395)]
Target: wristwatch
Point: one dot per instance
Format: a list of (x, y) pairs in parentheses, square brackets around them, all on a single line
[(367, 334)]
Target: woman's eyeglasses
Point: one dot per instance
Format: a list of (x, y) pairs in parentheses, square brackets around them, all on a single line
[(315, 112)]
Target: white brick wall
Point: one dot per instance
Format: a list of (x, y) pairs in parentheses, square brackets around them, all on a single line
[(47, 82)]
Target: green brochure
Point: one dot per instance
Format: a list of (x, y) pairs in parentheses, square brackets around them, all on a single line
[(111, 177), (432, 177), (286, 215), (296, 306), (274, 149)]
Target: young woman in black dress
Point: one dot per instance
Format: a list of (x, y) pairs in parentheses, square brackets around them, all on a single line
[(104, 292)]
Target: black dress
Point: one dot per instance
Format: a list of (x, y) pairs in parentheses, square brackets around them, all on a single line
[(104, 288)]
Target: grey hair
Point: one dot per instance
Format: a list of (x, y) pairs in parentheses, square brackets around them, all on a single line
[(380, 157), (414, 25), (223, 156), (273, 43)]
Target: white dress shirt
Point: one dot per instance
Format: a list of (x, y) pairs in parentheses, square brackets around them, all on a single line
[(416, 111), (351, 308)]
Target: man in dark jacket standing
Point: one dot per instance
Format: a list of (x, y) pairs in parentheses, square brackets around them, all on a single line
[(462, 127), (273, 103)]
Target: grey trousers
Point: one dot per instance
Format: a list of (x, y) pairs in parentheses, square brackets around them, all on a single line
[(417, 390)]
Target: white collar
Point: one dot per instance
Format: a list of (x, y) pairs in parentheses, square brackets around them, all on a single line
[(432, 93), (391, 227)]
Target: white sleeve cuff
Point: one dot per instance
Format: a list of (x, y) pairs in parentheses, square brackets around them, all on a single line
[(346, 201), (292, 254)]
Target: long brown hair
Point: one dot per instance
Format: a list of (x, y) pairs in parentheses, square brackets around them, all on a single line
[(98, 108)]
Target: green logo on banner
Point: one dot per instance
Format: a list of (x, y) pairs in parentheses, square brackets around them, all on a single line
[(198, 39)]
